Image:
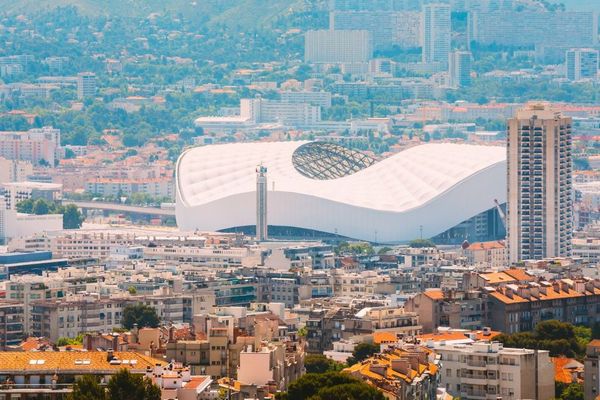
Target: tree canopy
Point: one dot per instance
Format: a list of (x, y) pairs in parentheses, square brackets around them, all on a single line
[(330, 386), (319, 364), (560, 338), (126, 386), (140, 314), (362, 351)]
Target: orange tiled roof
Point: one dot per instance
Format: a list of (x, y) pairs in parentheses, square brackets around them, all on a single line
[(487, 245), (434, 294), (519, 274), (384, 337), (498, 277), (67, 361), (563, 371), (454, 335)]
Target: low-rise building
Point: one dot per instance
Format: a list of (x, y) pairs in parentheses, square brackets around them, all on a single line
[(488, 370), (408, 372)]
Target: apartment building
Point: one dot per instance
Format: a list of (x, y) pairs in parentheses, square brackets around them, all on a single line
[(534, 28), (155, 187), (273, 363), (338, 46), (321, 99), (15, 170), (515, 308), (38, 146), (408, 372), (436, 33), (15, 192), (489, 370), (12, 323), (487, 254), (450, 308), (591, 378), (387, 28), (581, 64), (540, 205), (216, 257)]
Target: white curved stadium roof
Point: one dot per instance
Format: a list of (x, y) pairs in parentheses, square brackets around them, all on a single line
[(432, 187)]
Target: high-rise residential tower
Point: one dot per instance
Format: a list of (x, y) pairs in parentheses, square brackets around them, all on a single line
[(86, 85), (436, 31), (581, 64), (261, 203), (459, 68), (539, 217)]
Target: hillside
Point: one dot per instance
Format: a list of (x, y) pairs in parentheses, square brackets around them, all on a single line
[(244, 13)]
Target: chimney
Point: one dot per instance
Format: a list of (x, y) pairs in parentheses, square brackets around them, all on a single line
[(135, 333), (580, 286), (171, 334), (400, 365), (115, 342), (109, 355)]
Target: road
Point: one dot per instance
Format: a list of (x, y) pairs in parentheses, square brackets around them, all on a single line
[(96, 205)]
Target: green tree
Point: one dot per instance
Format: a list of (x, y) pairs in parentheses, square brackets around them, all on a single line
[(419, 243), (362, 351), (140, 314), (72, 217), (41, 207), (87, 388), (574, 391), (126, 386), (330, 385), (25, 206), (319, 364)]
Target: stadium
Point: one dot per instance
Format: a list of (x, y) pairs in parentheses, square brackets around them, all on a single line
[(444, 191)]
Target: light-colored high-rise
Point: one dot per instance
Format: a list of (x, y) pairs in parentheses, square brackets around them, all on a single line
[(86, 85), (338, 46), (581, 64), (459, 68), (539, 218), (436, 28), (261, 203)]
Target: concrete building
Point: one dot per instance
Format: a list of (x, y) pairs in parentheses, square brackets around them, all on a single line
[(86, 85), (519, 307), (540, 205), (273, 363), (408, 372), (459, 68), (581, 64), (488, 370), (487, 254), (454, 309), (155, 187), (262, 228), (591, 380), (534, 28), (387, 28), (338, 46), (15, 192), (436, 31), (14, 170), (12, 323), (321, 99), (39, 146)]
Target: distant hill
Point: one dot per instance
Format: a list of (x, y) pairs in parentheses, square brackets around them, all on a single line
[(584, 5), (245, 13)]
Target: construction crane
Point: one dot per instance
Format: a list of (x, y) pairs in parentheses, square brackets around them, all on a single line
[(500, 212)]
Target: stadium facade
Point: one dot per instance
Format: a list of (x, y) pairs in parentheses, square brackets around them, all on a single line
[(444, 191)]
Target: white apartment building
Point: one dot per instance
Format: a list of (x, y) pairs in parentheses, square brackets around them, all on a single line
[(156, 187), (540, 204), (484, 370), (362, 284), (38, 146), (214, 257), (338, 46), (321, 99), (86, 85), (15, 192), (14, 170), (436, 33), (270, 111), (459, 68), (388, 29), (582, 64)]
